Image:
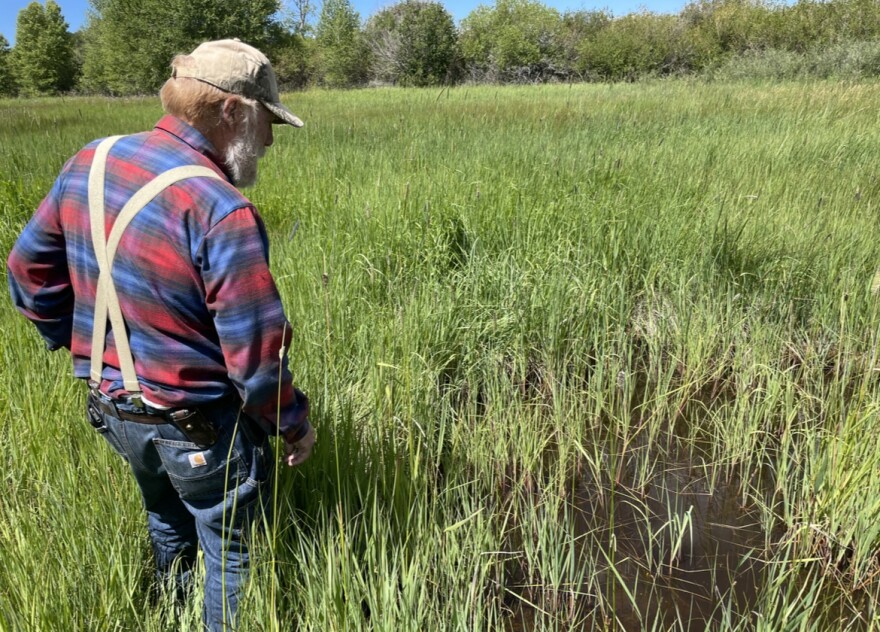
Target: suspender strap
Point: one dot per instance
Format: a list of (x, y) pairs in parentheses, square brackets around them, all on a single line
[(106, 299), (96, 219)]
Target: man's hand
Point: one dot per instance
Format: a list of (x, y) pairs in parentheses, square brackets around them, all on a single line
[(298, 451)]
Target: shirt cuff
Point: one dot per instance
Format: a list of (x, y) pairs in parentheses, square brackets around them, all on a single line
[(292, 435)]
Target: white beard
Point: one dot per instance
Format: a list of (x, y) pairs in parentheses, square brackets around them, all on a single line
[(243, 152)]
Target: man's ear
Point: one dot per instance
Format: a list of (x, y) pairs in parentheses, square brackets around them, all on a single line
[(230, 111)]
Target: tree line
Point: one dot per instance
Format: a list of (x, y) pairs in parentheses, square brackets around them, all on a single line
[(126, 45)]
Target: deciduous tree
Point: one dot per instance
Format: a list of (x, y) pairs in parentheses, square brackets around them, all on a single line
[(343, 54), (130, 43), (294, 60), (413, 42), (514, 40), (8, 86), (299, 16), (42, 60)]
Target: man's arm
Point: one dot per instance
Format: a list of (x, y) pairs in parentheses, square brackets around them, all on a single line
[(253, 330), (38, 276)]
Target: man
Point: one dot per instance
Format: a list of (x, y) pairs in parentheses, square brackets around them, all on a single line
[(190, 378)]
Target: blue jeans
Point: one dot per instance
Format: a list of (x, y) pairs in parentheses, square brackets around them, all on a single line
[(195, 497)]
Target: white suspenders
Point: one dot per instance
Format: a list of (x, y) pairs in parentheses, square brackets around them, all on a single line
[(106, 300)]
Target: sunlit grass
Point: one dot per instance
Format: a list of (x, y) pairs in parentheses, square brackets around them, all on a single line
[(537, 326)]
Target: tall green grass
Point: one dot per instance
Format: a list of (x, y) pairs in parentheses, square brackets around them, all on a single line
[(523, 315)]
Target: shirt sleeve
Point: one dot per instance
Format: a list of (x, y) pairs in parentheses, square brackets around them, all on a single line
[(254, 333), (38, 276)]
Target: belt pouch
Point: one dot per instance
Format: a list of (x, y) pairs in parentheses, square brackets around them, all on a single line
[(93, 413), (196, 426)]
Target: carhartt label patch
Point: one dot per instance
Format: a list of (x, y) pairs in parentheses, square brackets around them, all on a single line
[(197, 459)]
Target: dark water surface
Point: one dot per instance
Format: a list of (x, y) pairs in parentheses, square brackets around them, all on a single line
[(681, 547)]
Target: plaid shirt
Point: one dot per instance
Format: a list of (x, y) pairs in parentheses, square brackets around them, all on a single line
[(203, 312)]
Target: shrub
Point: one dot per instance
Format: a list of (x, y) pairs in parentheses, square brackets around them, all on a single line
[(630, 46), (342, 52), (413, 43), (516, 40), (770, 64), (294, 61)]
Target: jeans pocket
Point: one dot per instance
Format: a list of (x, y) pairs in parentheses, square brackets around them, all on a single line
[(201, 473)]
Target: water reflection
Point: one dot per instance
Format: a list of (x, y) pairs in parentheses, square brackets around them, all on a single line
[(679, 553)]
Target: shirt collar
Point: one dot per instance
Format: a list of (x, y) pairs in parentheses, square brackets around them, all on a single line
[(192, 137)]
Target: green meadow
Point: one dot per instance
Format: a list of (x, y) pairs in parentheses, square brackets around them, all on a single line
[(589, 357)]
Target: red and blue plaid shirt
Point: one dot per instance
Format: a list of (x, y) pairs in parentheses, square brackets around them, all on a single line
[(203, 313)]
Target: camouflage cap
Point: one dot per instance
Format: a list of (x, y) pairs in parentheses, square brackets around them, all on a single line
[(235, 67)]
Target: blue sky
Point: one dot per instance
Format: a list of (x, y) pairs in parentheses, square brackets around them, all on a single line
[(74, 11)]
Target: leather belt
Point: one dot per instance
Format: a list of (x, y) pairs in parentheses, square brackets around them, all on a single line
[(110, 408), (155, 416)]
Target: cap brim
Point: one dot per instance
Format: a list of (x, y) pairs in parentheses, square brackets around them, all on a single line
[(283, 115)]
